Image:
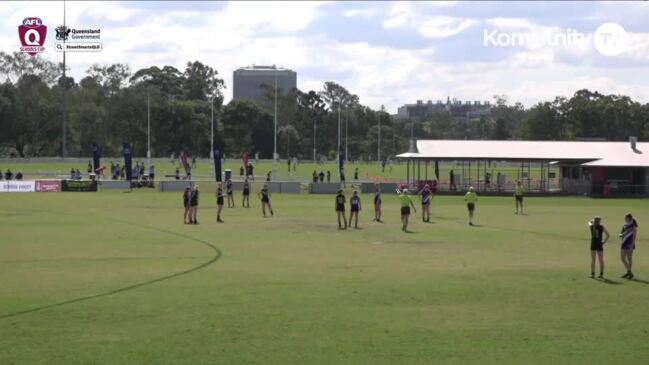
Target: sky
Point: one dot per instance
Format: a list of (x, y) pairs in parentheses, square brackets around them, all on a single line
[(388, 53)]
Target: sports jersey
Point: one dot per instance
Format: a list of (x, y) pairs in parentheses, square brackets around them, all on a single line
[(405, 200), (471, 197), (596, 232), (628, 239), (355, 201), (426, 196), (519, 191)]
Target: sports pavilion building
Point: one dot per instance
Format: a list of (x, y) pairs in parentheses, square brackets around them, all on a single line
[(568, 167)]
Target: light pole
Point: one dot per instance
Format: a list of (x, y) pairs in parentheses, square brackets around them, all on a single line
[(148, 128), (212, 128), (346, 129), (314, 149), (339, 129), (212, 167), (275, 117), (65, 95), (378, 153)]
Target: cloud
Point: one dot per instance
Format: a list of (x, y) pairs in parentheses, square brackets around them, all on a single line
[(442, 26), (404, 14), (361, 13), (401, 51)]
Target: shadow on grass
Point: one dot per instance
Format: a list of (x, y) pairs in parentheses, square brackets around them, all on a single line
[(217, 255), (607, 281), (635, 280)]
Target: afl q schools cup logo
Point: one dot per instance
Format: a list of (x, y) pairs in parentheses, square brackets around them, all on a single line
[(32, 35)]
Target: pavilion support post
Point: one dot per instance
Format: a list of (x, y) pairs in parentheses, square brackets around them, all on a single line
[(426, 170), (478, 173), (408, 172)]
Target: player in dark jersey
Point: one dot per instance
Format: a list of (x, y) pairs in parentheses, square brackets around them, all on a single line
[(340, 209), (187, 219), (193, 203), (230, 191), (264, 195), (219, 202), (628, 235), (598, 237), (377, 203), (426, 197), (355, 204), (246, 194)]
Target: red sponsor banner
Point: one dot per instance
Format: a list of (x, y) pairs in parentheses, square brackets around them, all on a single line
[(48, 186)]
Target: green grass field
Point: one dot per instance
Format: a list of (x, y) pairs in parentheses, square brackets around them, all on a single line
[(116, 278)]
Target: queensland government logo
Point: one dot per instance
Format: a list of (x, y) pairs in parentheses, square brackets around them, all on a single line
[(32, 35), (62, 33)]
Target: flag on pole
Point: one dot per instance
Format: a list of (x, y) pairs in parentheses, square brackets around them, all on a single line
[(341, 160), (96, 155), (184, 161), (245, 160), (128, 160)]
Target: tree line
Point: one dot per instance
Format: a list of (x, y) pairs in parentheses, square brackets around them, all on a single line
[(109, 106)]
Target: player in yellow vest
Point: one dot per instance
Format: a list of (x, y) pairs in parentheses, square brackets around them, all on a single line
[(471, 198), (406, 203)]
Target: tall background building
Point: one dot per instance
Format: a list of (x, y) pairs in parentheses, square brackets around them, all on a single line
[(457, 109), (248, 82)]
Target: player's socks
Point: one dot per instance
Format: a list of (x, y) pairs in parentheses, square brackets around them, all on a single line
[(630, 275), (592, 274), (271, 213), (601, 275)]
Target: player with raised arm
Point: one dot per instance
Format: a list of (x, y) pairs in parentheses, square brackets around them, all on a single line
[(406, 203), (628, 236)]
